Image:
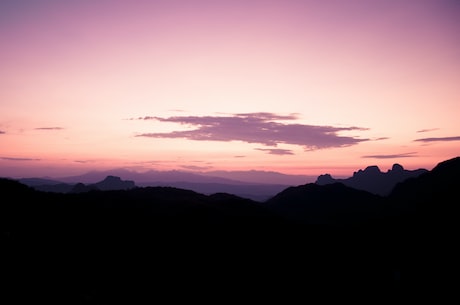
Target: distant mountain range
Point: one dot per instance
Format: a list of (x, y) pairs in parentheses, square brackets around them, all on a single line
[(110, 183), (221, 177), (255, 185)]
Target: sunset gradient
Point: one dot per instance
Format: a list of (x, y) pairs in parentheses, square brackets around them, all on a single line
[(298, 87)]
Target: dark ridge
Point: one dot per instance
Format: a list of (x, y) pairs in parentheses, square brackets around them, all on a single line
[(144, 244), (331, 204)]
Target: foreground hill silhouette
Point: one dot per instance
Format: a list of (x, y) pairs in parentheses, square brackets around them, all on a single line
[(146, 243), (332, 204)]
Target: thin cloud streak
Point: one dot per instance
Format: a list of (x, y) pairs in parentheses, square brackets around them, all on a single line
[(49, 128), (427, 130), (18, 159), (439, 139), (393, 156), (261, 127), (276, 151), (2, 132)]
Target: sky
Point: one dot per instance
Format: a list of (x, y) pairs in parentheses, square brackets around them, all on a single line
[(298, 87)]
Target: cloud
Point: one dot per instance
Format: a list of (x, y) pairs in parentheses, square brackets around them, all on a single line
[(83, 161), (49, 128), (381, 139), (439, 139), (261, 127), (427, 130), (277, 151), (2, 132), (18, 159), (394, 156)]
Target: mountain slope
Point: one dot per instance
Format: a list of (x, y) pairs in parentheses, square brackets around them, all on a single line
[(440, 185), (430, 203), (331, 204)]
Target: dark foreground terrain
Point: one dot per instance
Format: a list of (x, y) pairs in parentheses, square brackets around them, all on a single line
[(168, 245)]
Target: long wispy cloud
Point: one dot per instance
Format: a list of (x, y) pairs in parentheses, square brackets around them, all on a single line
[(261, 127), (391, 156), (439, 139), (83, 161), (276, 151), (49, 128), (18, 159), (2, 132), (427, 130)]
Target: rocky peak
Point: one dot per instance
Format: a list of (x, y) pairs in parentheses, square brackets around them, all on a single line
[(397, 168), (115, 183)]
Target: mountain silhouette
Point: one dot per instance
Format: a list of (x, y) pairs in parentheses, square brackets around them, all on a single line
[(81, 188), (257, 192), (332, 204), (150, 177), (107, 184), (442, 182), (371, 179), (114, 183), (135, 245), (429, 202), (205, 184)]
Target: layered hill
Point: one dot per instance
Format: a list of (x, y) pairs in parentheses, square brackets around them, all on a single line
[(109, 183), (258, 186)]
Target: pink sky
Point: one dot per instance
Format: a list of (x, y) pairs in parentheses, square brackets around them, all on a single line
[(304, 87)]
